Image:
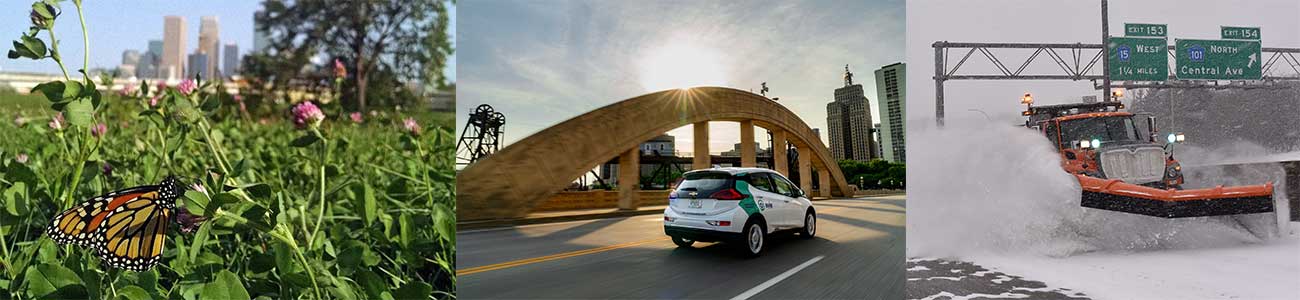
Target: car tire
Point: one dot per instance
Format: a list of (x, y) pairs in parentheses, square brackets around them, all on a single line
[(754, 239), (809, 225), (682, 242)]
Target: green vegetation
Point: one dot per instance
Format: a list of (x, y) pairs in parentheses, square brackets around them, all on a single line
[(315, 203), (876, 174)]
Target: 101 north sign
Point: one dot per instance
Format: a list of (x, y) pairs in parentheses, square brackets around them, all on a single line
[(1217, 59)]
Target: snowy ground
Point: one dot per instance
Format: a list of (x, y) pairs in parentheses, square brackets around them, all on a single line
[(1261, 271), (996, 198)]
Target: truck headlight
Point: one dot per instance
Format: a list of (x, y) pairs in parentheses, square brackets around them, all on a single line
[(1096, 143), (1085, 144), (1172, 138)]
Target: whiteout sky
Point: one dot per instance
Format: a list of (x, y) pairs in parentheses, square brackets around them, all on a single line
[(1055, 21)]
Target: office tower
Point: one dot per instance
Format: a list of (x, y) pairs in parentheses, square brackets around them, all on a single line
[(230, 60), (849, 121), (891, 90), (209, 44), (172, 64)]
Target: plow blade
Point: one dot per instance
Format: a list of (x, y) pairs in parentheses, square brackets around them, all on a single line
[(1116, 195)]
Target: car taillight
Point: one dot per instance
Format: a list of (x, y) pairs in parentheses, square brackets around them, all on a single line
[(727, 194), (719, 223), (669, 219)]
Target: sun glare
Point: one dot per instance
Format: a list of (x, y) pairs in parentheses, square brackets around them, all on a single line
[(681, 65)]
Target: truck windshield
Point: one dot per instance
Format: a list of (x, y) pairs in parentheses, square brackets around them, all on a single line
[(1115, 129)]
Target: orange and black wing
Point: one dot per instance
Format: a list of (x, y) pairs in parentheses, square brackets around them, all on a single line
[(78, 224), (132, 235)]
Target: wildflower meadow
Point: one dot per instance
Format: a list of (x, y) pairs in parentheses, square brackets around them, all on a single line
[(286, 200)]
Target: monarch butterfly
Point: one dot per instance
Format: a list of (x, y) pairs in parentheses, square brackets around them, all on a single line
[(127, 228)]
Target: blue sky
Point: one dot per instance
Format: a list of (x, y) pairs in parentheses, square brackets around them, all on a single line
[(541, 63), (116, 26)]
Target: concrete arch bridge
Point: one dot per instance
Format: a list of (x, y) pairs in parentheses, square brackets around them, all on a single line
[(518, 178)]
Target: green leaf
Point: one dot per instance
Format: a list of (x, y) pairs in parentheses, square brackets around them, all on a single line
[(413, 290), (53, 281), (369, 207), (20, 50), (219, 200), (15, 198), (133, 293), (44, 10), (405, 229), (372, 284), (196, 202), (211, 104), (305, 140), (445, 220), (52, 90), (21, 173), (357, 254), (35, 45), (226, 286), (72, 88), (79, 112), (200, 238), (257, 190)]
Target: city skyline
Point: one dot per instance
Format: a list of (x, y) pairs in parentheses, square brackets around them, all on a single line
[(584, 55), (144, 21)]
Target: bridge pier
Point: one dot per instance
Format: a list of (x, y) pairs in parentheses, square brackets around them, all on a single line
[(805, 169), (701, 146), (779, 161), (748, 157), (629, 178), (824, 182)]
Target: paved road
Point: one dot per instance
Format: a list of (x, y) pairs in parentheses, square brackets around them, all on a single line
[(858, 253), (937, 279)]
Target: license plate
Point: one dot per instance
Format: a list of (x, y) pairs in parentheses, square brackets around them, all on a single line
[(696, 204)]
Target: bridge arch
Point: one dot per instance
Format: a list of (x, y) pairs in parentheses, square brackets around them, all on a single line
[(519, 177)]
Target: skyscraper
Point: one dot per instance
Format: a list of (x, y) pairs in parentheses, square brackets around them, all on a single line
[(230, 61), (156, 47), (173, 51), (209, 44), (848, 119), (198, 63), (149, 61), (891, 91)]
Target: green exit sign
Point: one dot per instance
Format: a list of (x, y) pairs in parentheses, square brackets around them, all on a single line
[(1149, 30), (1239, 33), (1217, 59), (1138, 58)]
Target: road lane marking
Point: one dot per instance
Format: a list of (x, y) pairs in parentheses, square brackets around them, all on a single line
[(511, 264), (770, 282)]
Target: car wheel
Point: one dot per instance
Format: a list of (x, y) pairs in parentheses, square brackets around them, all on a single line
[(684, 243), (809, 225), (755, 239)]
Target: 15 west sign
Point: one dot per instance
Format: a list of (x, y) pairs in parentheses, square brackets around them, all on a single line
[(1138, 59), (1217, 59)]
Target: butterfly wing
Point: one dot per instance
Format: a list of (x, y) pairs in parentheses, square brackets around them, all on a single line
[(132, 235), (78, 224)]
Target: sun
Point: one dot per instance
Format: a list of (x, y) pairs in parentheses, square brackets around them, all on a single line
[(681, 65)]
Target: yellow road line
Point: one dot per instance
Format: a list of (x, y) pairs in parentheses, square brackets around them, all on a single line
[(511, 264)]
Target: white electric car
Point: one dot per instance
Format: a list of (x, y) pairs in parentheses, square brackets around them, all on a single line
[(737, 205)]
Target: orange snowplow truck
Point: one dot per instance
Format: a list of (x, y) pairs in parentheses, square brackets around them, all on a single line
[(1123, 166)]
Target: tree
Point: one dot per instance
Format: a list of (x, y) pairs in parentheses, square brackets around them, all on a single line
[(405, 38)]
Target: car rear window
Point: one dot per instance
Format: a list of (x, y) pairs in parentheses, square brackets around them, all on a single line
[(704, 183)]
